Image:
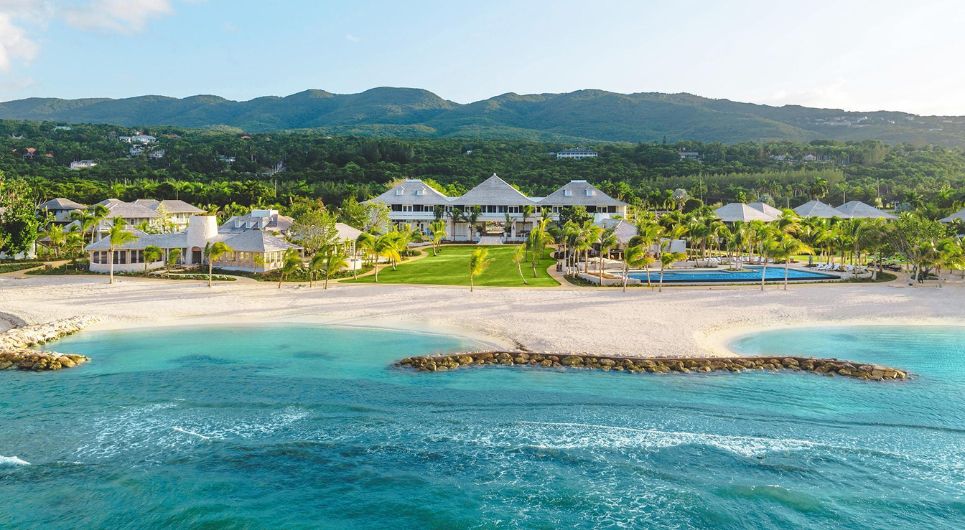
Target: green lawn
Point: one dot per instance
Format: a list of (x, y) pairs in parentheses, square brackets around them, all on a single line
[(451, 267)]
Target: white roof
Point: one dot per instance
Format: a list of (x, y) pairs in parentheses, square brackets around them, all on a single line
[(957, 216), (494, 191), (62, 204), (860, 210), (144, 240), (127, 210), (740, 212), (766, 208), (170, 205), (412, 191), (622, 229), (346, 232), (817, 208), (579, 193), (255, 241)]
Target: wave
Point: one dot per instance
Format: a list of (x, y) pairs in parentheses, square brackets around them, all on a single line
[(12, 461)]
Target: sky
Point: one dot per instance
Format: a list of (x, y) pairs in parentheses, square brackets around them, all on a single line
[(852, 54)]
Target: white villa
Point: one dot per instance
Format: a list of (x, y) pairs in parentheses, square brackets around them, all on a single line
[(578, 153), (415, 203), (252, 250), (61, 209), (173, 212), (266, 220), (77, 165)]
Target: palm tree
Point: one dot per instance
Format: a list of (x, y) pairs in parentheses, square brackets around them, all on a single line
[(478, 262), (212, 253), (591, 234), (335, 259), (785, 248), (384, 246), (172, 259), (539, 238), (950, 256), (118, 236), (438, 230), (472, 217), (667, 259), (607, 242), (57, 236), (519, 256), (366, 243), (151, 254), (765, 238), (636, 255), (290, 264), (527, 211)]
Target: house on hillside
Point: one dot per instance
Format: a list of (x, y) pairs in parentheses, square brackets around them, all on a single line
[(578, 153), (77, 165), (689, 155), (60, 209)]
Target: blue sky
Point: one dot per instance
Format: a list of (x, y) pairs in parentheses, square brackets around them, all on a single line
[(845, 54)]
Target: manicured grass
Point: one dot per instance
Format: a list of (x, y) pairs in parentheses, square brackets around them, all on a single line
[(451, 267)]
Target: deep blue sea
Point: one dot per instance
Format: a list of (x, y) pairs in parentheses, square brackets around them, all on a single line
[(279, 427)]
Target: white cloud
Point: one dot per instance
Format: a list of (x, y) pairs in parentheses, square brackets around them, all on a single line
[(14, 43), (351, 38), (123, 16)]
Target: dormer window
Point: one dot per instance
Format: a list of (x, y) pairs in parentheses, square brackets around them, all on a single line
[(400, 191), (590, 192), (421, 191), (568, 192)]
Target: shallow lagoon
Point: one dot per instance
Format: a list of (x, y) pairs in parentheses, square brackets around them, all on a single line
[(288, 426)]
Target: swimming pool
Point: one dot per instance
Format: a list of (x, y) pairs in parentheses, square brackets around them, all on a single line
[(748, 274)]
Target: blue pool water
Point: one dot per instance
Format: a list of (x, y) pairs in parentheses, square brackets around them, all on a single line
[(310, 427), (748, 274)]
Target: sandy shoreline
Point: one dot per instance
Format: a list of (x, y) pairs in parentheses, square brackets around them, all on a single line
[(677, 322)]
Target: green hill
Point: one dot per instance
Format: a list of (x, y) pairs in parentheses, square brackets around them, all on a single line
[(581, 115)]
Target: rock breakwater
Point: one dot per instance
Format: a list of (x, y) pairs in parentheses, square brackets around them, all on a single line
[(654, 365), (15, 343)]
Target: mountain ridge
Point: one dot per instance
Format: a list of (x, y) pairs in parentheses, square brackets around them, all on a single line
[(582, 115)]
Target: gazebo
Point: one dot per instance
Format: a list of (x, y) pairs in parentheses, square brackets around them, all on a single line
[(818, 209), (740, 212), (860, 210)]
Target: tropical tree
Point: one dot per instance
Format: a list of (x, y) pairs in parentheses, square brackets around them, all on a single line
[(58, 238), (438, 230), (950, 256), (785, 248), (118, 236), (173, 256), (519, 256), (472, 217), (765, 239), (606, 242), (290, 264), (212, 253), (151, 254), (335, 259), (478, 263), (385, 246), (637, 255), (539, 238), (668, 258)]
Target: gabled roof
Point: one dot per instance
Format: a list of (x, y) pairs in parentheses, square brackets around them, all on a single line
[(579, 193), (817, 208), (860, 210), (766, 208), (412, 191), (957, 216), (62, 204), (255, 241), (740, 212), (494, 191), (173, 206), (271, 223), (127, 210)]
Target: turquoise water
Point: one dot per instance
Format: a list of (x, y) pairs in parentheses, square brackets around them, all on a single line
[(311, 427), (747, 274)]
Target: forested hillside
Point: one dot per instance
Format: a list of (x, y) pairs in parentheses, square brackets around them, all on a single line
[(218, 167), (580, 115)]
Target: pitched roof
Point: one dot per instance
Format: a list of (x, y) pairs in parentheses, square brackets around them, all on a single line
[(860, 210), (171, 240), (817, 208), (579, 193), (62, 204), (127, 210), (346, 232), (957, 216), (624, 230), (740, 212), (173, 206), (494, 191), (255, 241), (412, 191), (766, 208), (274, 222)]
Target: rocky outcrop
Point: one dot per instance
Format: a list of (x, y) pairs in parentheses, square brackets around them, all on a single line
[(15, 343), (656, 365)]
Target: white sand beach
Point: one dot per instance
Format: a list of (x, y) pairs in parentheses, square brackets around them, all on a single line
[(679, 321)]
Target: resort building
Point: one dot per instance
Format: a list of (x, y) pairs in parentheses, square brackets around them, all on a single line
[(578, 153), (766, 208), (252, 250), (173, 213), (265, 220), (737, 212), (133, 214), (77, 165), (61, 209), (820, 210), (501, 211)]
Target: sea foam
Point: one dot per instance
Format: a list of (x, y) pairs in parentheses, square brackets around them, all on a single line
[(12, 461)]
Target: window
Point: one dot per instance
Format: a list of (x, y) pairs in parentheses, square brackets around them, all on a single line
[(568, 192)]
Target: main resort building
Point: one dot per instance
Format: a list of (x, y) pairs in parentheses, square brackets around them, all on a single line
[(504, 212)]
